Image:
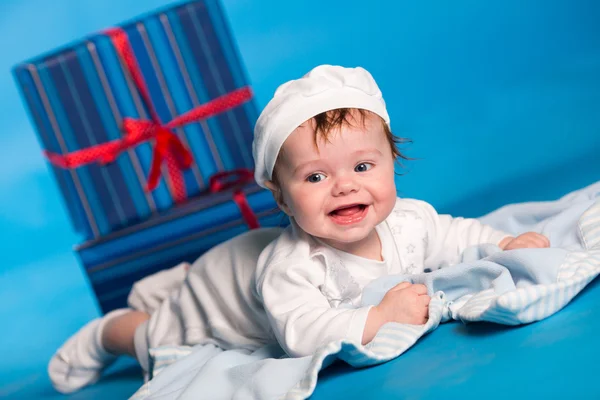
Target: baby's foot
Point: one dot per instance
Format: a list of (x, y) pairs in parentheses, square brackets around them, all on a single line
[(80, 361)]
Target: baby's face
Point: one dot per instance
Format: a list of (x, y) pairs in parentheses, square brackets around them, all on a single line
[(341, 191)]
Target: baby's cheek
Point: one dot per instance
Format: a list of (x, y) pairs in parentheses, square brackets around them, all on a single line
[(386, 203), (389, 194), (306, 208)]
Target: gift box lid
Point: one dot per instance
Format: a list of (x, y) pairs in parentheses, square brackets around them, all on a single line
[(203, 214), (115, 262)]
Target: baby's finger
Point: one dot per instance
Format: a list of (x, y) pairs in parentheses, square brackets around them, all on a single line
[(527, 244), (547, 239), (535, 242), (542, 240), (537, 239), (526, 241), (401, 286), (419, 288), (424, 300)]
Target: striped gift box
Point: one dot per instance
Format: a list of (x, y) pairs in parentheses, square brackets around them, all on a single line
[(80, 97), (115, 262)]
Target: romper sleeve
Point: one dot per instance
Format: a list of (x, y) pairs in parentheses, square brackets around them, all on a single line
[(299, 313), (449, 236)]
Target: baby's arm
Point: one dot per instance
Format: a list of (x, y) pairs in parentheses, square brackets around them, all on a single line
[(300, 315), (448, 237)]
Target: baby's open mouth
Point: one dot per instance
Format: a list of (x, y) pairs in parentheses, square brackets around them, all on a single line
[(348, 210)]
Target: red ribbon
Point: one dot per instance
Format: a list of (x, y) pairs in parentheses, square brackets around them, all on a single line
[(168, 147), (235, 178)]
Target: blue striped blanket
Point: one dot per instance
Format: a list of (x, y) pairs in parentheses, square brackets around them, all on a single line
[(505, 287)]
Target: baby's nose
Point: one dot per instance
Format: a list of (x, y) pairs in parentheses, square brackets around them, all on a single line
[(344, 186)]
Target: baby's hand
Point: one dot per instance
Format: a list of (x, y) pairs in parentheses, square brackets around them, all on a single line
[(530, 240), (405, 303)]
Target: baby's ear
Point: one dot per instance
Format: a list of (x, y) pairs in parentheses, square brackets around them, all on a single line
[(278, 195)]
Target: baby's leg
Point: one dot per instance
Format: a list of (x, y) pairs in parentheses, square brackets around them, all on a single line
[(119, 332), (80, 361)]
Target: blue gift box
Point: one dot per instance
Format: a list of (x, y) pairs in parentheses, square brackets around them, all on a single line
[(78, 97), (84, 100), (115, 262)]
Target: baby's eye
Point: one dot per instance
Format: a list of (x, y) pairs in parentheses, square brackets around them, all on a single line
[(362, 167), (314, 178)]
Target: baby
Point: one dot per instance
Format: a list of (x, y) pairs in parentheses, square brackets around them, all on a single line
[(324, 148)]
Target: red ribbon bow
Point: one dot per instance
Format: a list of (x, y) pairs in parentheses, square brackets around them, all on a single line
[(236, 178), (167, 147)]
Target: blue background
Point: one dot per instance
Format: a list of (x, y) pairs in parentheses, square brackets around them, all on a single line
[(498, 97)]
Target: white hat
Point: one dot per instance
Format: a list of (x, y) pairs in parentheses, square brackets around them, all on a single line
[(324, 88)]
